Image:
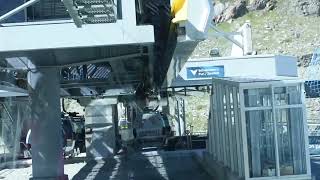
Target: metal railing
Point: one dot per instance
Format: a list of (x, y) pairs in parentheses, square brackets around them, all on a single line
[(17, 10), (38, 10)]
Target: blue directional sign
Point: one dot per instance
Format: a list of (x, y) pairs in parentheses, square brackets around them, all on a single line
[(205, 72)]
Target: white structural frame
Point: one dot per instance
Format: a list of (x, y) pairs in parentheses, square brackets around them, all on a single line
[(233, 114), (60, 34), (258, 66), (241, 39)]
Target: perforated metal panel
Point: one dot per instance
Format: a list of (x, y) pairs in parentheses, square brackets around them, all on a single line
[(312, 88)]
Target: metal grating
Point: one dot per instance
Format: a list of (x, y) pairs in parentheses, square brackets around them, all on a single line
[(312, 86), (95, 10), (91, 2), (312, 89), (91, 11), (86, 72), (97, 20)]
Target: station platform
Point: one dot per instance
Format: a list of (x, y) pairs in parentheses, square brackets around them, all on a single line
[(155, 165)]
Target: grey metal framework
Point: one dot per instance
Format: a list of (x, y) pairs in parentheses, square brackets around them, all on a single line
[(258, 129), (13, 116), (180, 116)]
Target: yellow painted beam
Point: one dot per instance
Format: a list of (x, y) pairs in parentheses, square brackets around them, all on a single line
[(179, 10)]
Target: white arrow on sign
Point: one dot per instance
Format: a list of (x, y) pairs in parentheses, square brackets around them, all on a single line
[(194, 72), (196, 68)]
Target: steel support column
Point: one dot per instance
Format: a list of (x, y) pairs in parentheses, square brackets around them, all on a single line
[(46, 130), (102, 118)]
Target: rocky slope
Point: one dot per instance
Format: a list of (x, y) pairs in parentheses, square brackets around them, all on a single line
[(283, 30), (291, 27)]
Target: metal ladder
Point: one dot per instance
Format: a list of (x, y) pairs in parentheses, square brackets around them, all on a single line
[(91, 11)]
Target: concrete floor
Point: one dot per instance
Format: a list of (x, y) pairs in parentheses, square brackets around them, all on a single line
[(315, 168), (139, 166)]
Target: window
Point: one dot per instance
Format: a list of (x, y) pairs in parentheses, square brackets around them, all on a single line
[(257, 97), (261, 144), (262, 136), (287, 95), (291, 141)]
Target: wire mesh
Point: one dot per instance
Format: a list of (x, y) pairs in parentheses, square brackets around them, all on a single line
[(312, 85)]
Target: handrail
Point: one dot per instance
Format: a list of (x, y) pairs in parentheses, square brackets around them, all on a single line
[(18, 9)]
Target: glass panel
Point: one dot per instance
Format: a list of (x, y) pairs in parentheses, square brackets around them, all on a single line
[(235, 143), (221, 125), (291, 141), (287, 95), (261, 145), (233, 130), (226, 130), (257, 97)]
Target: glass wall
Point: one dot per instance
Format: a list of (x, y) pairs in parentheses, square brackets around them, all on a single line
[(290, 127), (225, 142), (258, 132), (280, 151), (261, 144)]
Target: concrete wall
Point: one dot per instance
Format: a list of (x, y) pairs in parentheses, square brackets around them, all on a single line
[(215, 169)]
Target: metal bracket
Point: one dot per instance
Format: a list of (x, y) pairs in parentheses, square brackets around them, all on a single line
[(228, 36), (242, 38), (73, 12)]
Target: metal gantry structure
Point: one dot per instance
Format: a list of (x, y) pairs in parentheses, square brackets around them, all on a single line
[(112, 50), (98, 48)]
